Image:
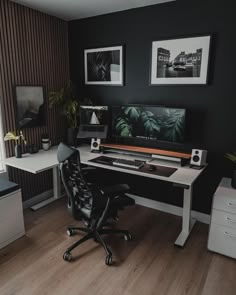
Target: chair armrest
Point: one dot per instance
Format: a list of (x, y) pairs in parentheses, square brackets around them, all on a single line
[(115, 190), (87, 169)]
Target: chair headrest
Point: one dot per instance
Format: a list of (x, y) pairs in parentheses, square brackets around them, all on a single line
[(64, 152)]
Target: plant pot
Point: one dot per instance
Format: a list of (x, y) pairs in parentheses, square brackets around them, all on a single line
[(233, 180), (18, 151), (72, 136)]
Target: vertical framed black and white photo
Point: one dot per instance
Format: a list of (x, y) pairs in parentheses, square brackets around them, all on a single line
[(104, 66), (30, 106), (181, 61)]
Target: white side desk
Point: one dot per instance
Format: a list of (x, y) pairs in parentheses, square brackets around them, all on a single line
[(36, 163), (184, 177)]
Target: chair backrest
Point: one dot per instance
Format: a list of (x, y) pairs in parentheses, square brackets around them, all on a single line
[(80, 195)]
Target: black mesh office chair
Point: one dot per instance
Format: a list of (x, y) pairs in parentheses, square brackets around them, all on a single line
[(86, 202)]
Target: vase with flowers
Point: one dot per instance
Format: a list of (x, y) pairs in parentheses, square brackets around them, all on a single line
[(18, 139), (232, 158)]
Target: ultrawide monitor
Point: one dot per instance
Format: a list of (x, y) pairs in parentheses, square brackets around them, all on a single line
[(149, 122)]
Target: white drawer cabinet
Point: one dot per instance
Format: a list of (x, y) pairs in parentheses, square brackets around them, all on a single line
[(11, 218), (222, 234), (225, 198), (223, 218)]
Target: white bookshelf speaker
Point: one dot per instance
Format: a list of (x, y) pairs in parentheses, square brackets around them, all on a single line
[(95, 144), (198, 158)]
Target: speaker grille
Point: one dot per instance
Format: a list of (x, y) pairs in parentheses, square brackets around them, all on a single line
[(195, 158)]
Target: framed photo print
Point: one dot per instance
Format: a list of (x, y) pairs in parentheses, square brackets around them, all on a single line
[(29, 106), (104, 66), (180, 61)]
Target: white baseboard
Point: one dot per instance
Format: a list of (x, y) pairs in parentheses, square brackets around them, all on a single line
[(204, 218), (37, 199)]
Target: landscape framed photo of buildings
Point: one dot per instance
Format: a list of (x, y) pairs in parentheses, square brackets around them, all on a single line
[(104, 66), (30, 106), (180, 61)]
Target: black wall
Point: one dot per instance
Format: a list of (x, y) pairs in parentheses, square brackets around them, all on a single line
[(211, 108)]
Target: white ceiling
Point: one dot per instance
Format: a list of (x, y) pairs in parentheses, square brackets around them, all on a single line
[(75, 9)]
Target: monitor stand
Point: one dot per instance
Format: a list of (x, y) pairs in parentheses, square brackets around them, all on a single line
[(180, 157)]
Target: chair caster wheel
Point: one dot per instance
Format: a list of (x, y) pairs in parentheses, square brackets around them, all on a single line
[(70, 232), (108, 260), (127, 237), (67, 256)]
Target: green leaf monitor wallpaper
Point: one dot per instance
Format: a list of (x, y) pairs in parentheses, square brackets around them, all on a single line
[(149, 122)]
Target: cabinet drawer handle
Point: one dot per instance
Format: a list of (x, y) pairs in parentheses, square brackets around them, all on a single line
[(231, 205), (230, 235), (230, 220)]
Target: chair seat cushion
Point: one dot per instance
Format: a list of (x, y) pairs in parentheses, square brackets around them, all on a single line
[(118, 202), (122, 201), (114, 190)]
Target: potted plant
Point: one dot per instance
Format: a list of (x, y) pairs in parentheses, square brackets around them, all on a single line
[(18, 138), (232, 157), (64, 98)]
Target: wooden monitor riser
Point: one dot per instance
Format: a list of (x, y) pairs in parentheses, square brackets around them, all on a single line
[(145, 150)]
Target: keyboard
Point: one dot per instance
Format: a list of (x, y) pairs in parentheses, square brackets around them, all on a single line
[(128, 163)]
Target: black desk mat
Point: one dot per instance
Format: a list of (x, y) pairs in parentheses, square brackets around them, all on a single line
[(159, 170)]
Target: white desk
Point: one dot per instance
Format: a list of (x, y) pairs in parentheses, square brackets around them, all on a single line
[(183, 177), (36, 163)]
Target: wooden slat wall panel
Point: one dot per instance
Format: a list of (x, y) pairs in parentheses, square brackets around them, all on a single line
[(33, 51)]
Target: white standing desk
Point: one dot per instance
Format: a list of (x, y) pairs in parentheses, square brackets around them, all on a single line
[(36, 163), (184, 177)]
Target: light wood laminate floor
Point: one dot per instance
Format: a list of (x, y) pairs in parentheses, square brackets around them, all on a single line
[(150, 264)]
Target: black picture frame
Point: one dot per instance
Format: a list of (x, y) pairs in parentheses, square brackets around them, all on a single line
[(29, 106), (104, 66), (180, 60)]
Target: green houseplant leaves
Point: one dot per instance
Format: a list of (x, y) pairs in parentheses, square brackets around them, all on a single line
[(65, 99), (231, 157)]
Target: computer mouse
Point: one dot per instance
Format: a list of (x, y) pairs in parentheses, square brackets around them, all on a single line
[(151, 168)]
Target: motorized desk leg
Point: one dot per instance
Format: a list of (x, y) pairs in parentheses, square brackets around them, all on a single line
[(56, 190), (56, 183), (187, 221)]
